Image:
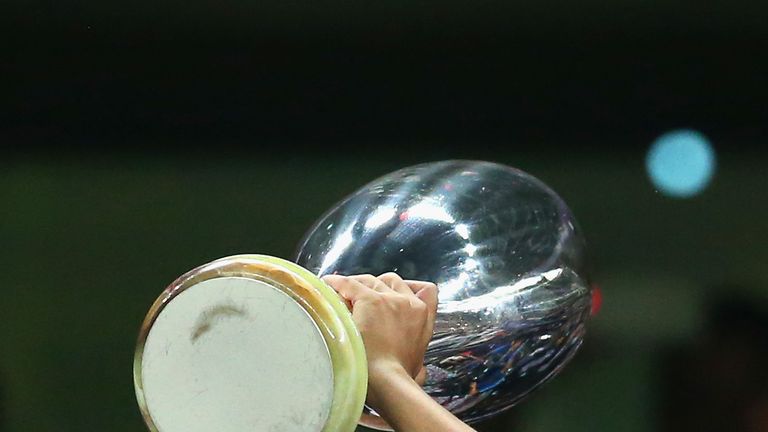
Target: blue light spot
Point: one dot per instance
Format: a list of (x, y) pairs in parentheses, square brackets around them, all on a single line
[(681, 163)]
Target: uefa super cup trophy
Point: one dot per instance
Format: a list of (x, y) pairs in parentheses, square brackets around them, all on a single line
[(254, 342)]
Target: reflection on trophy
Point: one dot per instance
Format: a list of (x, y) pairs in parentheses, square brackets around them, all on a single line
[(254, 342)]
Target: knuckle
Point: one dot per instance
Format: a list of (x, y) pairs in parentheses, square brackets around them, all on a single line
[(376, 299), (420, 307), (389, 276), (398, 300), (345, 283), (336, 284), (366, 278)]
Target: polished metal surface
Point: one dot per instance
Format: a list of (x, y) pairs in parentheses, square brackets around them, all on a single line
[(506, 254)]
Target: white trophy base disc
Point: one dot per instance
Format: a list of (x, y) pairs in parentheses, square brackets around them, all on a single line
[(234, 354)]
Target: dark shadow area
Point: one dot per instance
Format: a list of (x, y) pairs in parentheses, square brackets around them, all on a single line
[(719, 381)]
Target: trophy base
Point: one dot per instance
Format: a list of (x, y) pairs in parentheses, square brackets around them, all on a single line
[(249, 343)]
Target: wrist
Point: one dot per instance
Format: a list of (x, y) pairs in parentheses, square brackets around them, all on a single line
[(382, 377), (382, 370)]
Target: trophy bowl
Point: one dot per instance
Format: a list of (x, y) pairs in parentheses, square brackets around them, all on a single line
[(506, 254)]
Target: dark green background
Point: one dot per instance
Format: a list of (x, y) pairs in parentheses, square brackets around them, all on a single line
[(89, 243), (141, 139)]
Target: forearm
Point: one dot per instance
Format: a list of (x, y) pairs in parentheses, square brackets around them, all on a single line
[(407, 408)]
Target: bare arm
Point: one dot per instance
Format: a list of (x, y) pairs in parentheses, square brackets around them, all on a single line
[(407, 408), (396, 319)]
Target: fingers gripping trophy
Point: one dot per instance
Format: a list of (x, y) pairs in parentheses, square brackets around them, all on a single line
[(478, 266)]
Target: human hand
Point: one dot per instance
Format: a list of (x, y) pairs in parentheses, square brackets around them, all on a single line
[(395, 318)]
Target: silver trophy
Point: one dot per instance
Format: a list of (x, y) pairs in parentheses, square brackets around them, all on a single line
[(507, 256), (255, 342)]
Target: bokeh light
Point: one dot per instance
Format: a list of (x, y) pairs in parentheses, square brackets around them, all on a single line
[(681, 163)]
